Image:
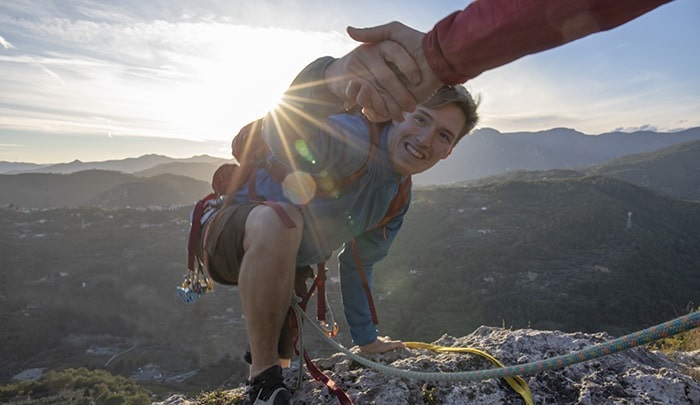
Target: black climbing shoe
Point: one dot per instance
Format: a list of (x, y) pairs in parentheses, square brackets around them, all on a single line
[(268, 388)]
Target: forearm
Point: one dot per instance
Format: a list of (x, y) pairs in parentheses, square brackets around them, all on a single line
[(491, 33), (372, 247), (355, 305)]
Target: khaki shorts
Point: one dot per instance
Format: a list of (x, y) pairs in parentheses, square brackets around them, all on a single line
[(222, 239)]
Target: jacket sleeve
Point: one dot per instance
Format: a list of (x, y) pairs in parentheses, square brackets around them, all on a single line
[(372, 247), (491, 33)]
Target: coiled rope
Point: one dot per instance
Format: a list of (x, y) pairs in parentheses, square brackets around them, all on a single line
[(654, 333)]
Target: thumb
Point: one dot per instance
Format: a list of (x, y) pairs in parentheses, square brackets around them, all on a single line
[(375, 34)]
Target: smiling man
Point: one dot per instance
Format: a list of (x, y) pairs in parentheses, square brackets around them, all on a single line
[(332, 180)]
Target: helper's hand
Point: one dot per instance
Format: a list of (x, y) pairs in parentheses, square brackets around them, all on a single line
[(423, 82), (382, 345), (375, 77)]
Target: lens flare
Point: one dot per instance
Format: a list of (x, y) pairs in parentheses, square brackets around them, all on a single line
[(299, 187)]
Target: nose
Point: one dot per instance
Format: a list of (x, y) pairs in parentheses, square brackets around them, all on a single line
[(423, 137)]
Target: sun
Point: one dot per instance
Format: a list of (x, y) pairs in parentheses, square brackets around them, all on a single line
[(237, 75), (224, 76)]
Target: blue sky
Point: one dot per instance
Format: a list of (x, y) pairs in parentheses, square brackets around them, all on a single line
[(98, 80)]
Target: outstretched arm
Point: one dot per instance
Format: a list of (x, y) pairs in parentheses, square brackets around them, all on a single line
[(492, 33)]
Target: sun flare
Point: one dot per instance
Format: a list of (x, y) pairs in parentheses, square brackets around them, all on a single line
[(237, 75)]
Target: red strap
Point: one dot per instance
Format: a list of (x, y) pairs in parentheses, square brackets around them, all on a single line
[(318, 375), (286, 219), (196, 229), (321, 303), (309, 294), (365, 284)]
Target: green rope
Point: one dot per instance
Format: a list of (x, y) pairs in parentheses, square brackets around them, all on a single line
[(654, 333)]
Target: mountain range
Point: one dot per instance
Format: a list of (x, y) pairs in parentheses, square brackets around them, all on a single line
[(673, 171), (488, 152), (145, 163), (483, 153)]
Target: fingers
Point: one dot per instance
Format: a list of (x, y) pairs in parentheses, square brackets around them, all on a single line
[(367, 96), (406, 63), (388, 81), (371, 34), (370, 77)]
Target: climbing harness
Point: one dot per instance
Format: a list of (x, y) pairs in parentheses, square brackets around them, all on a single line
[(651, 334)]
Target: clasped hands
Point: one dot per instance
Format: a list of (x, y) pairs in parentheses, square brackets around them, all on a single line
[(387, 75)]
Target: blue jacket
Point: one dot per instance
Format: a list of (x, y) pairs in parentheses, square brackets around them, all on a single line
[(332, 220)]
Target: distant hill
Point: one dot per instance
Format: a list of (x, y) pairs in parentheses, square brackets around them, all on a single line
[(18, 167), (674, 171), (42, 190), (129, 165), (197, 170), (98, 188), (161, 190), (488, 152)]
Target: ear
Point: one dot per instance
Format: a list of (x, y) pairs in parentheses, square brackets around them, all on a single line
[(449, 152)]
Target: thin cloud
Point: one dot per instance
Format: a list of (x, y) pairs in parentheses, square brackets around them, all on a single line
[(5, 43), (52, 74)]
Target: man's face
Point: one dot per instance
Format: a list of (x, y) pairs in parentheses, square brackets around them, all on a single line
[(424, 137)]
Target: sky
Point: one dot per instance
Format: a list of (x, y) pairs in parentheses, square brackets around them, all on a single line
[(98, 80)]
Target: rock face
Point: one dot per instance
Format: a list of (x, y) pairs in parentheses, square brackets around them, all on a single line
[(635, 376)]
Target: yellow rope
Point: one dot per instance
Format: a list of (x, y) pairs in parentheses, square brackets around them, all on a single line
[(517, 383)]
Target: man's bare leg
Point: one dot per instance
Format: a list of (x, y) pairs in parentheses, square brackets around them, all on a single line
[(266, 280)]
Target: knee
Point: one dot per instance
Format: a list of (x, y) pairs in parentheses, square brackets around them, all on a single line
[(269, 225)]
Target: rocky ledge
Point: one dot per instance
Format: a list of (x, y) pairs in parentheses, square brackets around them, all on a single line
[(634, 376)]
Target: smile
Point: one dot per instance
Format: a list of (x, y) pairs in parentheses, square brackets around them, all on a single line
[(413, 151)]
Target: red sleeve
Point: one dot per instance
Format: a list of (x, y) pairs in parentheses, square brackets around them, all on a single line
[(491, 33)]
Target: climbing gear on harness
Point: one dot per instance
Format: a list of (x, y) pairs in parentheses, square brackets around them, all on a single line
[(324, 314), (193, 288), (197, 282)]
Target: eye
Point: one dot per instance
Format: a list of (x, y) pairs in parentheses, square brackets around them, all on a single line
[(419, 119), (445, 136)]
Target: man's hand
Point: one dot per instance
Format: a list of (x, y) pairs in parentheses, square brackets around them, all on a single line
[(424, 81), (375, 77), (382, 345)]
